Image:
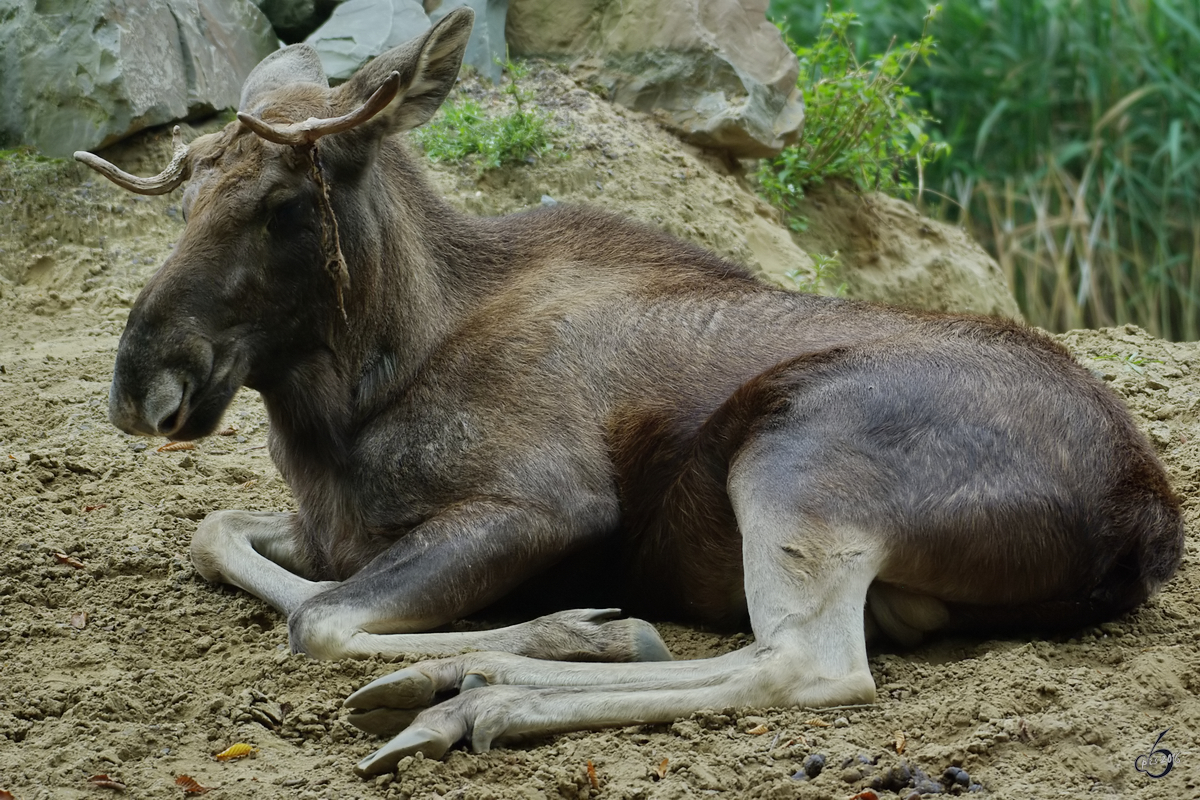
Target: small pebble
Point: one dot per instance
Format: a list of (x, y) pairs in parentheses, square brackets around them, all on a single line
[(954, 775), (927, 786), (894, 779), (813, 764)]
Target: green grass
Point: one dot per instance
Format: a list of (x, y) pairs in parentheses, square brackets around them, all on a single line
[(1074, 131), (23, 169), (465, 131)]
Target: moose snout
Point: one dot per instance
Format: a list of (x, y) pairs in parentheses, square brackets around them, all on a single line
[(158, 410), (157, 378)]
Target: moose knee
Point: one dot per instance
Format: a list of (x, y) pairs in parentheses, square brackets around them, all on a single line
[(211, 544), (316, 630)]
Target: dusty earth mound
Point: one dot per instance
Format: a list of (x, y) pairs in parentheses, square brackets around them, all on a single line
[(117, 659)]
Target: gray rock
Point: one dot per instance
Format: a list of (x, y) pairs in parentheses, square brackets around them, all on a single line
[(486, 51), (359, 30), (717, 72), (291, 19), (82, 74)]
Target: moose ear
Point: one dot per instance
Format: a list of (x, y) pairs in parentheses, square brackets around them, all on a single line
[(296, 63), (428, 67)]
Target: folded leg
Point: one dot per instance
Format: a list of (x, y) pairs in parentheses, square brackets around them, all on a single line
[(806, 587), (387, 608)]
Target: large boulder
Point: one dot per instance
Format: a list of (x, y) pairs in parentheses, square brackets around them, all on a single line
[(295, 19), (487, 49), (82, 74), (360, 30), (717, 72)]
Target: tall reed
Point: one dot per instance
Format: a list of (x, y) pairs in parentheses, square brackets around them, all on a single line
[(1075, 136)]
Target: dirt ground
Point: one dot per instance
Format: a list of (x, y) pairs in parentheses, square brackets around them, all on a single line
[(117, 659)]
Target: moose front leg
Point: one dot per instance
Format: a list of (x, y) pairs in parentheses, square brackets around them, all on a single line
[(452, 565), (255, 551)]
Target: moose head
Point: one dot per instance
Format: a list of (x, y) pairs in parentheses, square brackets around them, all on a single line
[(287, 223)]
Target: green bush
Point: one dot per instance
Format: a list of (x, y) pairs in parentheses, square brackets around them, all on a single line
[(860, 124), (464, 131), (1075, 137)]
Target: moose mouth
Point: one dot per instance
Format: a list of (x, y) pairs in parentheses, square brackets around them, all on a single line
[(171, 407)]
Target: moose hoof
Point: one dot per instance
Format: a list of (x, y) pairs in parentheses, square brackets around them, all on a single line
[(647, 644), (472, 680), (428, 742), (406, 688), (383, 721)]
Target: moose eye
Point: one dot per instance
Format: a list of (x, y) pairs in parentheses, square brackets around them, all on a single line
[(288, 218)]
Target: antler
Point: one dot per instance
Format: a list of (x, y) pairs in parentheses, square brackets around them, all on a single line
[(165, 181), (313, 128)]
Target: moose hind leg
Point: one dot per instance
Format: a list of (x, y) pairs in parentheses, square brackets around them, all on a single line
[(807, 574)]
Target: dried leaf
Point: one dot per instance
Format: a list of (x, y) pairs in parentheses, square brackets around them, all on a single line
[(90, 509), (63, 558), (248, 483), (105, 782), (190, 785), (901, 742), (171, 447), (595, 781), (817, 722), (79, 620), (235, 751), (865, 794), (662, 769), (5, 794), (758, 730), (229, 431)]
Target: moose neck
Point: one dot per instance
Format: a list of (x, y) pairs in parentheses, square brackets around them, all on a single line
[(415, 271)]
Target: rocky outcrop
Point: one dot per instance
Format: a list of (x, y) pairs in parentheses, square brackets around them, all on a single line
[(90, 72), (716, 72)]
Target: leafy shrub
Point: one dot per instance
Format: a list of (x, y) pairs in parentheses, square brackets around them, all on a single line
[(464, 131), (861, 123), (1075, 130)]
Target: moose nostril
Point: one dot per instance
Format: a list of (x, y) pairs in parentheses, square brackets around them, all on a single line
[(164, 406), (169, 423)]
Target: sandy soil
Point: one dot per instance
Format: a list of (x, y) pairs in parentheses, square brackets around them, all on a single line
[(119, 660)]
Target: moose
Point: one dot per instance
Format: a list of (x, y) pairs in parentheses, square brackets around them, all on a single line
[(561, 403)]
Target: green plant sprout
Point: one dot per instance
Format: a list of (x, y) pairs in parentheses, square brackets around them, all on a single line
[(1135, 360), (826, 269)]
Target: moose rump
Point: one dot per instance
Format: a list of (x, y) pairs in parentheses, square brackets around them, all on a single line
[(461, 405)]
